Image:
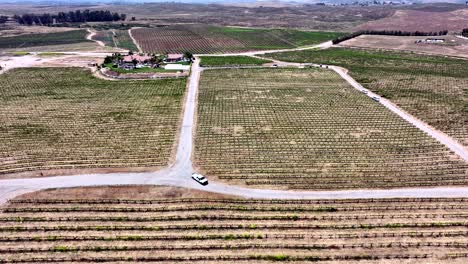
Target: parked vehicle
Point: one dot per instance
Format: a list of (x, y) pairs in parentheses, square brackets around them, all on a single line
[(200, 179)]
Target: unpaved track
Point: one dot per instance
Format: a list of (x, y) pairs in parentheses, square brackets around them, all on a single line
[(90, 37), (134, 40), (452, 144), (178, 174)]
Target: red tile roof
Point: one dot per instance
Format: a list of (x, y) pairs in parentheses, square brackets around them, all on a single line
[(138, 58), (175, 56)]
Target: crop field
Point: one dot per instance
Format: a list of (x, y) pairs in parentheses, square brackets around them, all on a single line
[(212, 39), (176, 228), (55, 119), (32, 40), (308, 129), (432, 88), (116, 38), (221, 61)]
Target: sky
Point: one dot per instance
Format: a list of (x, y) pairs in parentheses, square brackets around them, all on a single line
[(197, 1)]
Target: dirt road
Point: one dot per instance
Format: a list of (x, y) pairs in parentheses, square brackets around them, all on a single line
[(90, 37), (178, 174), (134, 40), (452, 144)]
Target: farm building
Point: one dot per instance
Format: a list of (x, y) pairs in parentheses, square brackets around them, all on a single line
[(174, 58), (430, 40), (179, 67), (131, 61)]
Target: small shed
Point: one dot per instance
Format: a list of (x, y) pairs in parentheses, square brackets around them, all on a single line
[(177, 67)]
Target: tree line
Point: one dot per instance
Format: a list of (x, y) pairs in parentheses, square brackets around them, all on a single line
[(389, 33), (465, 32), (69, 17), (3, 19)]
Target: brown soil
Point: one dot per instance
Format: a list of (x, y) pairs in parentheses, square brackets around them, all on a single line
[(414, 20), (453, 46), (66, 172), (121, 192)]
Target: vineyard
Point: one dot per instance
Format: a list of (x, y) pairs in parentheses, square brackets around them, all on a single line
[(116, 38), (127, 224), (52, 119), (32, 40), (432, 88), (213, 39), (221, 61), (308, 129)]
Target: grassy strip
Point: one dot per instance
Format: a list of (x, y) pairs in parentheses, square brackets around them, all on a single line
[(231, 61), (20, 53), (50, 54)]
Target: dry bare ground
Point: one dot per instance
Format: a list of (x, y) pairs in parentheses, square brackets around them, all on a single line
[(24, 30), (415, 20), (174, 225), (453, 46), (122, 192)]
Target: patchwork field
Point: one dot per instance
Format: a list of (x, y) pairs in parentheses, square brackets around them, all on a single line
[(214, 39), (53, 119), (45, 39), (453, 46), (308, 129), (167, 225), (116, 38), (432, 88)]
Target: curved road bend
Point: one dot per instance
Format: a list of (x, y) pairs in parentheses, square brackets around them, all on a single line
[(91, 35)]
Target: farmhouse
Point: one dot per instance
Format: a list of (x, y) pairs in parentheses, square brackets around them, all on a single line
[(174, 58), (131, 61)]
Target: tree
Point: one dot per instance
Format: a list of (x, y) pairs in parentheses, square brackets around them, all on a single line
[(77, 16), (155, 59), (188, 55), (465, 32), (3, 19), (108, 59)]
